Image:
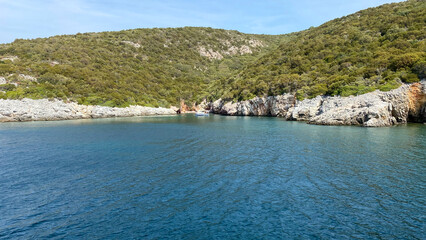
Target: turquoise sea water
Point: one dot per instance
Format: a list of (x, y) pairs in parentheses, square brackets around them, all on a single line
[(183, 177)]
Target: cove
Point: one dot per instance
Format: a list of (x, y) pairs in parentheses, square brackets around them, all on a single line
[(210, 177)]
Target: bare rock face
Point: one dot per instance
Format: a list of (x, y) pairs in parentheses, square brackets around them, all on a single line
[(229, 108), (305, 110), (45, 110), (361, 110), (27, 77), (209, 53), (183, 107), (133, 44), (10, 58), (259, 106), (229, 49), (280, 105), (417, 102), (201, 106), (216, 106), (375, 109), (254, 107)]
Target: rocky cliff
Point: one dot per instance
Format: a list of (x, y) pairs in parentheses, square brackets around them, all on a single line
[(45, 110), (375, 109)]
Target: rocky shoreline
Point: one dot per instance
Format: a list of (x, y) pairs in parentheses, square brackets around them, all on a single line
[(50, 110), (375, 109)]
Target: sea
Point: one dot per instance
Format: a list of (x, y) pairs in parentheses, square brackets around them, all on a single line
[(212, 177)]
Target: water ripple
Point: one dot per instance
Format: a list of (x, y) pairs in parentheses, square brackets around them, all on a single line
[(210, 178)]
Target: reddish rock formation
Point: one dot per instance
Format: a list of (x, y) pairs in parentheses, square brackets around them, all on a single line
[(417, 102)]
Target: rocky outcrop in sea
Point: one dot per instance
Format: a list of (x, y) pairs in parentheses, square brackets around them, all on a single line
[(47, 110), (375, 109)]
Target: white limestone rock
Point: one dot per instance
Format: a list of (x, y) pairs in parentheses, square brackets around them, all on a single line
[(45, 110), (375, 109)]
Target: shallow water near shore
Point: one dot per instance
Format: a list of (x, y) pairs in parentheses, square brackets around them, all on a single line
[(210, 177)]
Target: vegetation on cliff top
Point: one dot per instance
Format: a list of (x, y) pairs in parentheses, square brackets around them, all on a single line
[(377, 48)]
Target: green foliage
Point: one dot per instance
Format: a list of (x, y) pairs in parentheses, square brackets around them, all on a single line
[(18, 93), (353, 90), (152, 67), (405, 61), (420, 69), (372, 49), (409, 77), (7, 87), (377, 48), (389, 86)]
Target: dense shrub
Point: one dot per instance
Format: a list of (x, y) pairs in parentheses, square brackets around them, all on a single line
[(371, 49), (377, 48), (155, 67)]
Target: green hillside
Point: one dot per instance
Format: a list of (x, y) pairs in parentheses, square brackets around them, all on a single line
[(152, 67), (377, 48)]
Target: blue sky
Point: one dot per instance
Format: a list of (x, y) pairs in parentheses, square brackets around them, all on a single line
[(43, 18)]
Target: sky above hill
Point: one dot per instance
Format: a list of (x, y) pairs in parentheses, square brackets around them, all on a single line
[(43, 18)]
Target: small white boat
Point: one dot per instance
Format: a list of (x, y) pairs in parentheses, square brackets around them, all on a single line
[(201, 114)]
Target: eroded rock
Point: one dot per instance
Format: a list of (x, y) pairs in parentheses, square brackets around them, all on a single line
[(259, 106), (375, 109), (46, 110)]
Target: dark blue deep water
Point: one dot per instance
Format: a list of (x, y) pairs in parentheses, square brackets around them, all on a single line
[(182, 177)]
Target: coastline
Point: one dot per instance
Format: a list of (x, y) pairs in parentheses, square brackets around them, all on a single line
[(375, 109), (51, 110)]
